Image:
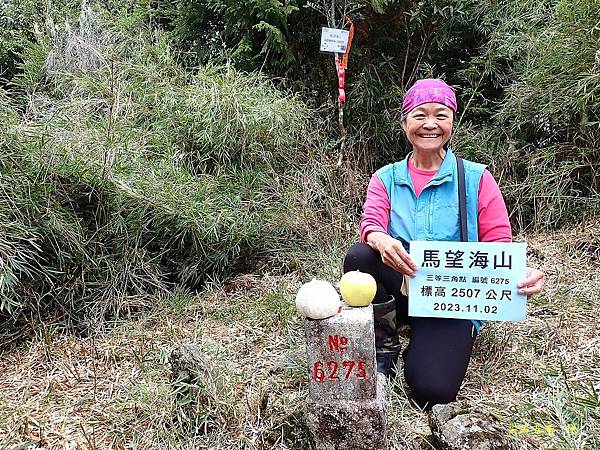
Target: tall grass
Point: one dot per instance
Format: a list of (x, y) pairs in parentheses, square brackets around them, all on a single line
[(542, 137), (129, 175)]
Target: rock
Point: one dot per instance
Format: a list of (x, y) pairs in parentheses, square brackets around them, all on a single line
[(196, 386), (188, 363), (349, 424), (345, 408), (455, 428), (341, 349)]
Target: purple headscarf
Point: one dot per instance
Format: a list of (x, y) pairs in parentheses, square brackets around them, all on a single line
[(429, 90)]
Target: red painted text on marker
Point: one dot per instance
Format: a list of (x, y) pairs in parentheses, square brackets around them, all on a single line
[(334, 371)]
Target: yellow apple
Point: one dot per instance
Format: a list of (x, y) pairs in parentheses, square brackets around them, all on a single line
[(358, 288)]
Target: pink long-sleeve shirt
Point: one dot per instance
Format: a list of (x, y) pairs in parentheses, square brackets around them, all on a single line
[(493, 223)]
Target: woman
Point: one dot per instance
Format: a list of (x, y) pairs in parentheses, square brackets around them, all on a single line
[(416, 199)]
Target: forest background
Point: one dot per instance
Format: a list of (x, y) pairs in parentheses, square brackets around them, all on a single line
[(172, 171)]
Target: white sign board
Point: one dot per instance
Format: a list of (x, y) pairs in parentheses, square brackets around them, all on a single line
[(334, 40), (467, 280)]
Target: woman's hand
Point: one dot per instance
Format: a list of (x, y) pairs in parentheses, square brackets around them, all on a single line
[(533, 282), (392, 253)]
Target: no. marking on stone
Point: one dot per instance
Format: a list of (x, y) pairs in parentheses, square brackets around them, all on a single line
[(331, 370), (338, 344)]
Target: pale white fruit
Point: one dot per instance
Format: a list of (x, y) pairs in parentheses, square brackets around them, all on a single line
[(317, 299), (358, 288)]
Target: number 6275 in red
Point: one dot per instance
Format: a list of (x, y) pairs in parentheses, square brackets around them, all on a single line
[(334, 371)]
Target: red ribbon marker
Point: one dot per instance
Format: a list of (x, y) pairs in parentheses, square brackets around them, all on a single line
[(343, 65)]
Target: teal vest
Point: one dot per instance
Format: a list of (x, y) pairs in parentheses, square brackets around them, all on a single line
[(433, 216)]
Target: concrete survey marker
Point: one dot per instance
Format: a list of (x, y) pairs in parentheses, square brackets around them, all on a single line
[(345, 408)]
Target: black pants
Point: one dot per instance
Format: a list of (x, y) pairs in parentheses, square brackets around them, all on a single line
[(438, 354)]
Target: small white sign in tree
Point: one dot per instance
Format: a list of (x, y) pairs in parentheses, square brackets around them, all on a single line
[(334, 40), (337, 13)]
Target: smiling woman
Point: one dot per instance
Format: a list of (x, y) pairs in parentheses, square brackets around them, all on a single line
[(428, 128), (417, 199)]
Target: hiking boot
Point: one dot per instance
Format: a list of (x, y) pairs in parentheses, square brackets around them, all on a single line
[(387, 344), (386, 363)]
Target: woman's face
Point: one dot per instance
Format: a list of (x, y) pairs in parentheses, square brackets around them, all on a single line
[(428, 127)]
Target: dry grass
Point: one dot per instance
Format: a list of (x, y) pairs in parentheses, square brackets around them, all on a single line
[(113, 391)]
